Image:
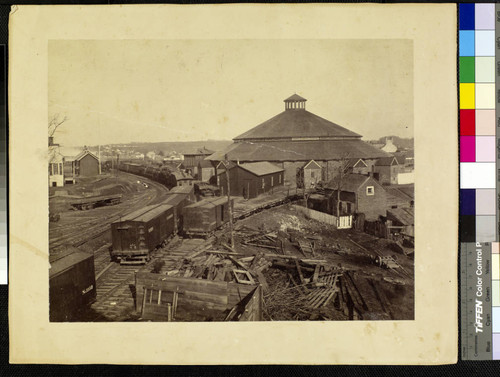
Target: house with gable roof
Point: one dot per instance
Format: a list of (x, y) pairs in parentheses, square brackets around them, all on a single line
[(249, 179)]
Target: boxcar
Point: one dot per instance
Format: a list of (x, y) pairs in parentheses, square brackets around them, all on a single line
[(71, 284), (137, 234), (178, 201), (205, 216), (186, 190)]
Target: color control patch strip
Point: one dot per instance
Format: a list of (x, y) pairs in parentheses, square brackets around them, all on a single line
[(479, 81)]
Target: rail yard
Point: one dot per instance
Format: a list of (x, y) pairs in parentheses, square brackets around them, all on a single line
[(297, 219), (304, 269)]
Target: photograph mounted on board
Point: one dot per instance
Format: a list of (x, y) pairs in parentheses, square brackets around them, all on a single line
[(182, 190)]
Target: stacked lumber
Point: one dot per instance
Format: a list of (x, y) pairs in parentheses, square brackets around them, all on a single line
[(217, 265)]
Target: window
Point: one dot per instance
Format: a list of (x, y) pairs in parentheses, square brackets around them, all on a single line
[(370, 190), (272, 181), (279, 179), (263, 183)]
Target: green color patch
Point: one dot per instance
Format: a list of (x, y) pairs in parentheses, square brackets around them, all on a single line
[(466, 69)]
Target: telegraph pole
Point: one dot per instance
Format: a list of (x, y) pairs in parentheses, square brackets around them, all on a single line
[(99, 158), (226, 164)]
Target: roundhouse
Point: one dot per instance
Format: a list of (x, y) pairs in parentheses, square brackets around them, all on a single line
[(296, 136)]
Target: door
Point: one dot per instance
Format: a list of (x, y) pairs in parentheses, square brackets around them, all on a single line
[(128, 238)]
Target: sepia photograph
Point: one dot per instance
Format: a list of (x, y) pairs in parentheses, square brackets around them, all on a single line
[(182, 191), (233, 184)]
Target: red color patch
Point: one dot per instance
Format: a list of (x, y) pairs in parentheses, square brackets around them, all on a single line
[(467, 122)]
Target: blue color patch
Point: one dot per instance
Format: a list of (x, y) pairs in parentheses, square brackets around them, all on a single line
[(467, 16), (468, 202), (466, 39)]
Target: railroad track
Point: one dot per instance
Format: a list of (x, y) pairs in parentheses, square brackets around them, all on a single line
[(114, 281), (80, 233)]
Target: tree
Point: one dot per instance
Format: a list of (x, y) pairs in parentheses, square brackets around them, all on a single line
[(342, 171), (54, 122), (301, 183)]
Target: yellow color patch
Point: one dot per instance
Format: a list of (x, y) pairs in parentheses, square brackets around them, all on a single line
[(495, 266), (467, 96)]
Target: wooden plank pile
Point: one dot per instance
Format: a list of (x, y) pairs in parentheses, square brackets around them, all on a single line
[(280, 242), (217, 265)]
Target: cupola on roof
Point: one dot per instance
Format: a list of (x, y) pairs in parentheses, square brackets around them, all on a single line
[(296, 123), (295, 102)]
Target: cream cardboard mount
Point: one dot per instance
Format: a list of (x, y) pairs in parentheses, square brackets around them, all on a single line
[(431, 338)]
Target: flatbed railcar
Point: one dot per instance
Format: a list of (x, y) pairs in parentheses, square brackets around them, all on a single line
[(96, 201), (136, 235), (71, 284), (204, 217)]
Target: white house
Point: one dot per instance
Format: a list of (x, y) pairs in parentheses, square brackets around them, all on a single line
[(56, 165)]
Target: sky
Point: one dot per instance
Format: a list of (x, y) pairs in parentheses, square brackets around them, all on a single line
[(124, 91)]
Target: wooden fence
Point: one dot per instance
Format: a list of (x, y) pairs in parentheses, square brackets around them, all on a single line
[(208, 294), (342, 222)]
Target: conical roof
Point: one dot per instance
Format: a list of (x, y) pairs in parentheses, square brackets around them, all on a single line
[(296, 124), (295, 97)]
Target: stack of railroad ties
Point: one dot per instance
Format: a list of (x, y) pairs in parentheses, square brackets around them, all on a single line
[(309, 286)]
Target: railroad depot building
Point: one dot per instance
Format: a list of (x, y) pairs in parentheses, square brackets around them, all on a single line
[(293, 139), (192, 159), (86, 164), (249, 179)]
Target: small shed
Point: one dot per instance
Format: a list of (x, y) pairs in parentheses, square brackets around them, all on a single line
[(358, 194), (401, 196), (182, 178), (386, 170), (404, 218), (310, 175), (249, 179), (206, 170), (86, 164)]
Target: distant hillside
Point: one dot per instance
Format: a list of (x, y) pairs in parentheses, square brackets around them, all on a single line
[(170, 146)]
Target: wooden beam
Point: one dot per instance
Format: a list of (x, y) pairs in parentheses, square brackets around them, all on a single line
[(237, 262), (223, 253), (301, 276)]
